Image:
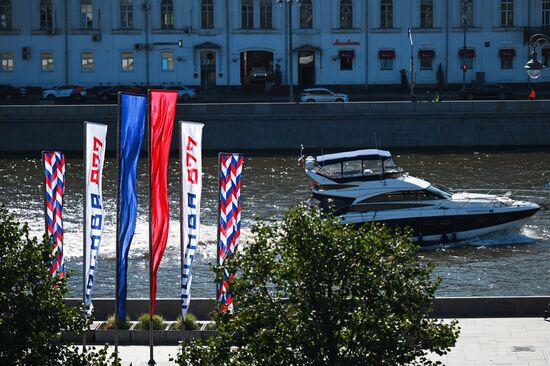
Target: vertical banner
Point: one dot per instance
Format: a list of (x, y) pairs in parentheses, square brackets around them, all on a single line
[(162, 112), (229, 227), (190, 201), (54, 190), (132, 111), (94, 157)]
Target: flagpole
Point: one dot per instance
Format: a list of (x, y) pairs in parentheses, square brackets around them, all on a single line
[(117, 241), (182, 239), (148, 119), (218, 223), (84, 238)]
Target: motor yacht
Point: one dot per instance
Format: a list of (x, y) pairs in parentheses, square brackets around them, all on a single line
[(368, 186)]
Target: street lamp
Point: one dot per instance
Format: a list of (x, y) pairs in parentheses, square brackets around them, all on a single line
[(289, 42), (534, 67), (464, 27)]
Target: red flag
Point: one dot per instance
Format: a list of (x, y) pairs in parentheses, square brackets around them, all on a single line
[(161, 124)]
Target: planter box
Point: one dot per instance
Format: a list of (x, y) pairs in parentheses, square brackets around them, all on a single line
[(174, 337), (77, 338)]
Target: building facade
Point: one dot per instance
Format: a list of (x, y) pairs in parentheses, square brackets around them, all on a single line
[(212, 43)]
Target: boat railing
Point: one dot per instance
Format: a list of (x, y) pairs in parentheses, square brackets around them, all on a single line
[(539, 196)]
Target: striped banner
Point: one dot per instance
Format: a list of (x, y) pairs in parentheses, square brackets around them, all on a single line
[(54, 189), (229, 228)]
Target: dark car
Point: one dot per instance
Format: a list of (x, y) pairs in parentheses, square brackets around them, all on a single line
[(258, 75), (9, 92), (487, 91), (112, 93)]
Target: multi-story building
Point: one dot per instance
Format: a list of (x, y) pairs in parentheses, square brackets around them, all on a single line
[(333, 42)]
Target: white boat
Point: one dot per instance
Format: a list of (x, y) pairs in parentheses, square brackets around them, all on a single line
[(367, 186)]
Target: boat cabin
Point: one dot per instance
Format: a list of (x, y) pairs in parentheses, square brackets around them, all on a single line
[(359, 165)]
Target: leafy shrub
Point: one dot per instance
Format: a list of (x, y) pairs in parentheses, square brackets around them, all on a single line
[(143, 322), (190, 322), (122, 324)]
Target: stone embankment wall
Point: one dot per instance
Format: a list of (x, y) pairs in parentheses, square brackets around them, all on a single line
[(284, 126)]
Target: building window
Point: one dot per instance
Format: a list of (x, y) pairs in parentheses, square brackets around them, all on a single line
[(546, 56), (467, 12), (87, 61), (426, 59), (386, 13), (46, 17), (346, 59), (426, 13), (507, 58), (5, 15), (167, 60), (545, 13), (127, 61), (266, 14), (86, 14), (207, 13), (467, 59), (126, 14), (7, 61), (167, 14), (346, 14), (386, 59), (306, 15), (506, 13), (247, 14), (46, 61)]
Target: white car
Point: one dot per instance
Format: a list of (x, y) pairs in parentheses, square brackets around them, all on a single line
[(322, 95), (184, 93), (65, 91)]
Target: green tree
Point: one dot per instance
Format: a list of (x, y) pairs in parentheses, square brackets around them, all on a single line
[(33, 314), (311, 291)]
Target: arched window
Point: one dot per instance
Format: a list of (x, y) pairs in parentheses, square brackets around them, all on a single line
[(167, 14), (46, 18), (426, 13), (266, 14), (126, 14), (86, 14), (247, 14), (386, 13), (207, 14), (346, 14), (306, 14), (5, 14)]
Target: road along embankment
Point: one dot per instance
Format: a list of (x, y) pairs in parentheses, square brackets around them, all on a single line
[(285, 126)]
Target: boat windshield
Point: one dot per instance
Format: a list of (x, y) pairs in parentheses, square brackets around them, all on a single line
[(359, 168), (440, 190)]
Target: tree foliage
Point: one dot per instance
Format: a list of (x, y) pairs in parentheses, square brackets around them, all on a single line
[(310, 291), (33, 314)]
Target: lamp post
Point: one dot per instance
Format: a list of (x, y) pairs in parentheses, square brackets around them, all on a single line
[(289, 43), (534, 67), (411, 81), (464, 26)]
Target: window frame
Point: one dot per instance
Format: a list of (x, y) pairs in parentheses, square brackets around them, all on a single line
[(126, 9), (46, 14), (469, 13), (207, 14), (506, 62), (6, 15), (507, 13), (85, 64), (47, 61), (386, 13), (5, 64), (545, 10), (86, 14), (247, 14), (266, 14), (426, 63), (346, 63), (169, 63), (125, 64), (167, 14), (426, 14), (346, 14), (386, 64), (306, 14)]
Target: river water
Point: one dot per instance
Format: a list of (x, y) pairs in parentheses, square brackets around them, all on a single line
[(515, 263)]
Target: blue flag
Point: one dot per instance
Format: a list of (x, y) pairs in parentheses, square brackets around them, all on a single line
[(132, 128)]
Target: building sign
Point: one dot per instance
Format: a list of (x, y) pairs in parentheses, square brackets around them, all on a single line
[(349, 42)]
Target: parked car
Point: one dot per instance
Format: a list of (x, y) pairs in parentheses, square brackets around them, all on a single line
[(322, 95), (9, 92), (258, 75), (112, 92), (184, 93), (486, 91), (65, 91)]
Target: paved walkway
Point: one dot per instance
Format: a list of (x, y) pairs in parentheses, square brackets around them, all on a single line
[(484, 341)]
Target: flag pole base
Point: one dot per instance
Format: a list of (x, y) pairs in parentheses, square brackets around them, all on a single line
[(151, 362)]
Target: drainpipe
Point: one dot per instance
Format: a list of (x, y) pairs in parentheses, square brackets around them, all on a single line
[(366, 44), (227, 53), (66, 19), (146, 9), (446, 44)]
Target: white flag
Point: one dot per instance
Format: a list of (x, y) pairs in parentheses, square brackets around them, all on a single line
[(191, 186), (95, 137)]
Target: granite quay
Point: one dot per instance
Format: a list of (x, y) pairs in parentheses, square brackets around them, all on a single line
[(284, 126)]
